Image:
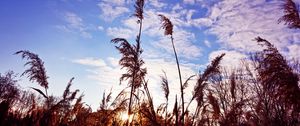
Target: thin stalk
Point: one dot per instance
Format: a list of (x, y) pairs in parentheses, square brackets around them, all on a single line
[(137, 50), (166, 116), (150, 99), (48, 102), (176, 113), (139, 35), (139, 112), (130, 101), (195, 114), (179, 74), (188, 105)]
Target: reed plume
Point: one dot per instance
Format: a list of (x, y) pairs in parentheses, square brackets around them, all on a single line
[(291, 14), (131, 56), (165, 87), (168, 27), (198, 93), (276, 74), (139, 9), (105, 100), (36, 71), (132, 61)]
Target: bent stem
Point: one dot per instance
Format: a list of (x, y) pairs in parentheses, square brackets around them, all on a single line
[(180, 80)]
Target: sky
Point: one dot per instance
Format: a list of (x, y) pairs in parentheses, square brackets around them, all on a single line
[(72, 37)]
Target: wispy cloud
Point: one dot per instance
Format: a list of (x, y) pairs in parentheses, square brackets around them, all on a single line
[(90, 62), (159, 4), (207, 43), (100, 28), (75, 24), (116, 32), (184, 40), (116, 2), (232, 59), (112, 9), (294, 51), (183, 17), (73, 20), (237, 22)]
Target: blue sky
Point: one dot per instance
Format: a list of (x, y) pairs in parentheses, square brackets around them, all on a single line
[(73, 38)]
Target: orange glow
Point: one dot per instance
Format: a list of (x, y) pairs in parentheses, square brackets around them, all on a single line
[(124, 116)]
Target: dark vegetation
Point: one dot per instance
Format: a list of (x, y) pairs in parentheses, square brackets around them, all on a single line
[(262, 92)]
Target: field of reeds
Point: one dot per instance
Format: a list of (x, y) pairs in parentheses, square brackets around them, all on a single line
[(262, 92)]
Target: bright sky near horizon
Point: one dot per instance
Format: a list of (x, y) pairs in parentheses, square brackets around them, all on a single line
[(73, 38)]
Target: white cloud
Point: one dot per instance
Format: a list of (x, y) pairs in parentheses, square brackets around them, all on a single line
[(200, 22), (177, 7), (90, 62), (75, 24), (232, 59), (294, 51), (237, 22), (157, 3), (183, 17), (151, 22), (105, 72), (207, 43), (117, 2), (111, 10), (183, 42), (86, 34), (189, 14), (73, 20), (119, 32), (113, 61), (100, 28)]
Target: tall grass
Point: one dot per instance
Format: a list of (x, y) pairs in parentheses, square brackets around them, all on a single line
[(168, 27), (263, 91)]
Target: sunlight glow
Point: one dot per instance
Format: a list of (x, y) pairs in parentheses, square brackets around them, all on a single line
[(124, 116)]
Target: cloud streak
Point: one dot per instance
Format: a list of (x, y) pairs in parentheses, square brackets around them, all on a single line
[(90, 62), (184, 40), (237, 22), (111, 10), (75, 24)]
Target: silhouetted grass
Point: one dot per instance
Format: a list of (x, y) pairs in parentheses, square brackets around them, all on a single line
[(260, 93)]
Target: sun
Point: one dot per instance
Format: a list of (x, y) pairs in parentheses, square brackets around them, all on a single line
[(124, 116)]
